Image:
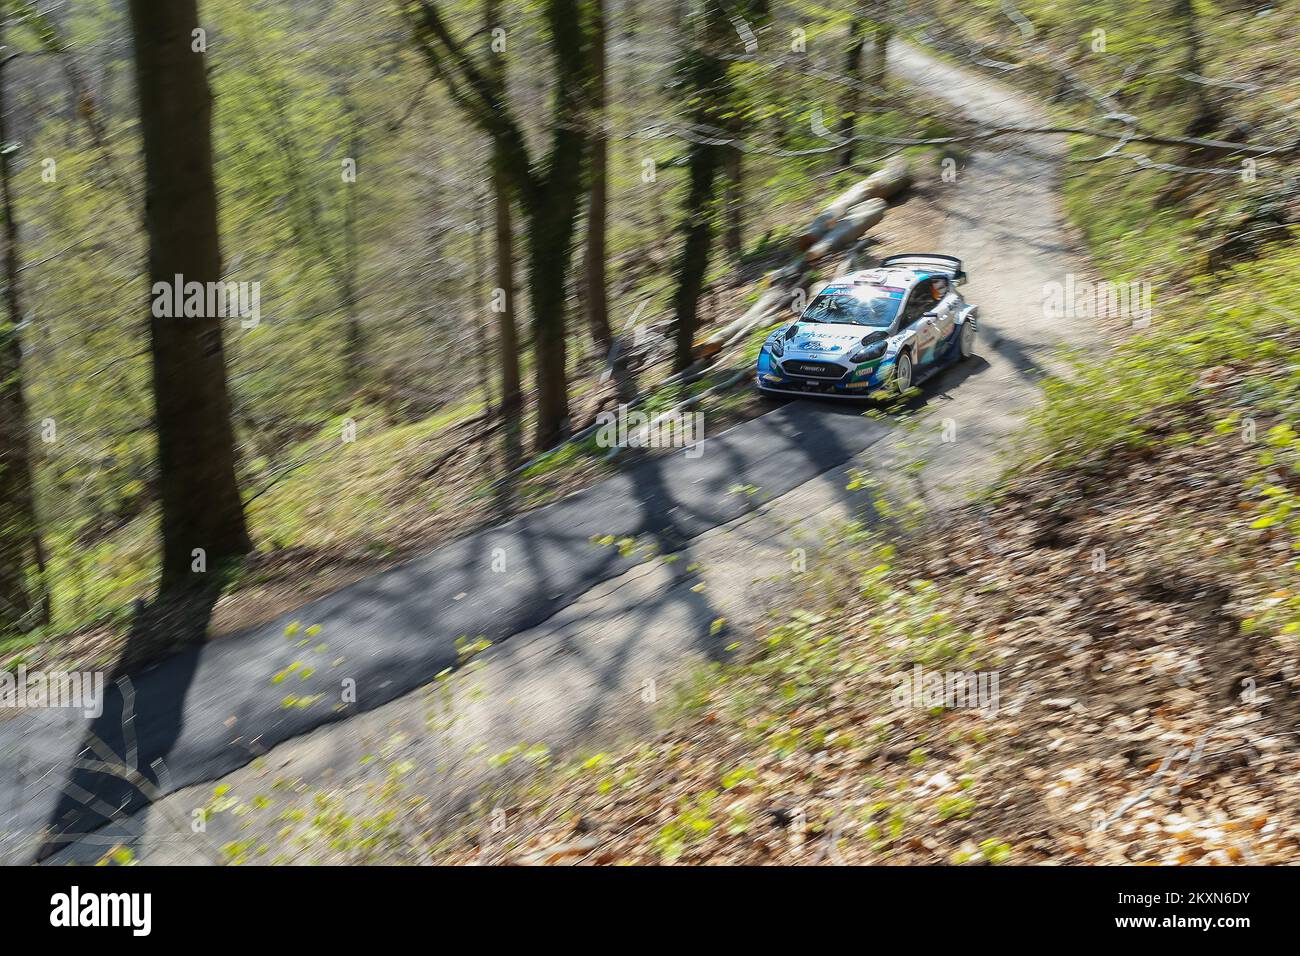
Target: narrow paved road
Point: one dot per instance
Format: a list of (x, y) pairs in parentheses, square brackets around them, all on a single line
[(580, 630)]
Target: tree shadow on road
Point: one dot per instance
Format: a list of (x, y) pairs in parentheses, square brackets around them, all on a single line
[(123, 752)]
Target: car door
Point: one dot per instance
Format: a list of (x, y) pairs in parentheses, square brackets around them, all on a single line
[(945, 320), (916, 317)]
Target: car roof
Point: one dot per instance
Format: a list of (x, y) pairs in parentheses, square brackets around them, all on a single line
[(892, 278)]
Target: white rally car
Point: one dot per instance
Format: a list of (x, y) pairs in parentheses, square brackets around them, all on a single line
[(889, 327)]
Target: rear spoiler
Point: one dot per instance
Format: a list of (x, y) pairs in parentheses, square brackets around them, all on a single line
[(926, 262)]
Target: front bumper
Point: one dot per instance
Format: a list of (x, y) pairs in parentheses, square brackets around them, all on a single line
[(858, 381)]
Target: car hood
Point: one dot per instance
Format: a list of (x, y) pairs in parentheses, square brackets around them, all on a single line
[(824, 340)]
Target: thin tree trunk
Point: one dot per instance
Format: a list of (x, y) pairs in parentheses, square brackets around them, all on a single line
[(595, 288), (597, 302), (1205, 116), (882, 31), (23, 588), (852, 95), (199, 492), (480, 307), (512, 396), (707, 86), (354, 347), (733, 198)]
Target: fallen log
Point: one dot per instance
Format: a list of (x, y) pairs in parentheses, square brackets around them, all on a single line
[(838, 228), (849, 229), (890, 179)]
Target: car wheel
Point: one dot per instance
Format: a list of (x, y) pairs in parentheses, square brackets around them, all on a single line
[(967, 340), (903, 372)]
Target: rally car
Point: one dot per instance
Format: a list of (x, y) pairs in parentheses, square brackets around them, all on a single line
[(884, 328)]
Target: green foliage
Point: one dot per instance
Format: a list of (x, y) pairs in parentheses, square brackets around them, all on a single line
[(995, 851), (538, 755), (1226, 320), (958, 806), (693, 822)]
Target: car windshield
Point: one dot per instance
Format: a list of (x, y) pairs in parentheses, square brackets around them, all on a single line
[(861, 305)]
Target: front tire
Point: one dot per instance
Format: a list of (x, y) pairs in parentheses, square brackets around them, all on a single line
[(903, 373)]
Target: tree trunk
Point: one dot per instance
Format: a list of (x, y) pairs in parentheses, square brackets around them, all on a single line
[(597, 303), (1205, 115), (201, 507), (512, 396), (550, 244), (480, 308), (354, 343), (734, 200), (24, 594), (693, 262), (852, 95), (553, 201), (550, 192), (707, 86), (595, 290), (881, 33)]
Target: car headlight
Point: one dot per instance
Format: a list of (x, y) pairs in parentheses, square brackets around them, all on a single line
[(874, 350), (777, 344)]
